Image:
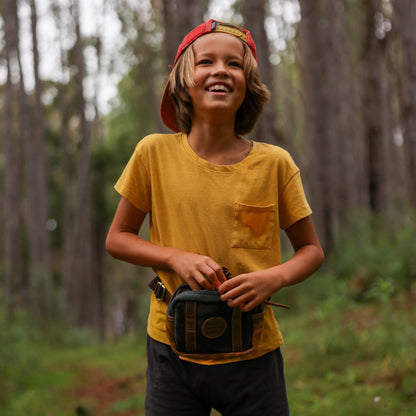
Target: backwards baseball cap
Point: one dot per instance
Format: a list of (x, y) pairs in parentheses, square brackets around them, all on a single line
[(167, 108)]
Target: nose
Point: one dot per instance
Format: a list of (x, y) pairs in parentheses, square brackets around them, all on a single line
[(220, 69)]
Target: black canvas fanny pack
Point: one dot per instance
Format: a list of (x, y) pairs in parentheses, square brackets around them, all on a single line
[(200, 325)]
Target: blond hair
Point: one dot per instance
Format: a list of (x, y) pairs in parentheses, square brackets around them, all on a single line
[(182, 77)]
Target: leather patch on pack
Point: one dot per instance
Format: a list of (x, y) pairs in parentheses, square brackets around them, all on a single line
[(213, 327)]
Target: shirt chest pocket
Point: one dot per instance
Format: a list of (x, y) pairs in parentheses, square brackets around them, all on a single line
[(253, 226)]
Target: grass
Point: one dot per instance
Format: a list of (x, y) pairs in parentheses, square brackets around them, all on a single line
[(341, 357), (348, 358)]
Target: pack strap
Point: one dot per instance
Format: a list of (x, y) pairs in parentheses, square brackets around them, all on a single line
[(162, 293), (280, 305)]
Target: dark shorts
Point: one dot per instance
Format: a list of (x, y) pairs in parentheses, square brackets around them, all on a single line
[(245, 388)]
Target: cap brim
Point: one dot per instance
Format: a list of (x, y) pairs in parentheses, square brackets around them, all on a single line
[(167, 110)]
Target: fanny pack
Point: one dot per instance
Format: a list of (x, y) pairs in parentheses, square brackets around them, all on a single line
[(200, 325)]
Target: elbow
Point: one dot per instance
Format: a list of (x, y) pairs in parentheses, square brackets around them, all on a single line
[(110, 245), (320, 257)]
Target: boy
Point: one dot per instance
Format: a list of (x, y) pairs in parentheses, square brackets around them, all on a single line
[(214, 199)]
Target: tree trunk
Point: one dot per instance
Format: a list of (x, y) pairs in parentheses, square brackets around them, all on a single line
[(313, 73), (82, 289), (37, 186), (254, 14), (405, 18), (68, 195), (179, 17), (99, 227), (374, 111), (335, 165), (13, 190), (344, 133)]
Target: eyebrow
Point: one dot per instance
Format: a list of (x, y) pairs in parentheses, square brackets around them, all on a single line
[(210, 54)]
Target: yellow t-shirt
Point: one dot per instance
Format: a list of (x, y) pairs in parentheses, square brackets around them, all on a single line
[(231, 213)]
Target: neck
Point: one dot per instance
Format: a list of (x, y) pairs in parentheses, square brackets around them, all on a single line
[(212, 137), (218, 143)]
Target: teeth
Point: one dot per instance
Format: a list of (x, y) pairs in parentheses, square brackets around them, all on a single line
[(218, 87)]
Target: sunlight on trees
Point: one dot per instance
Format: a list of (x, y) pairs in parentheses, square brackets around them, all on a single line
[(343, 103)]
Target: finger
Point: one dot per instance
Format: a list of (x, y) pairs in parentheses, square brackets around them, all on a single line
[(248, 306), (244, 303), (203, 281), (193, 284), (215, 274), (196, 281), (237, 301), (229, 285), (231, 289)]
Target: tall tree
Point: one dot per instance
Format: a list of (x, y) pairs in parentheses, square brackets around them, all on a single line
[(313, 72), (13, 260), (405, 18), (254, 14), (83, 292), (179, 17), (375, 109), (64, 110), (37, 186), (335, 169), (140, 45), (344, 133)]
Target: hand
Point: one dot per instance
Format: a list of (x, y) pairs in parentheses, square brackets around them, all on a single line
[(197, 270), (246, 291)]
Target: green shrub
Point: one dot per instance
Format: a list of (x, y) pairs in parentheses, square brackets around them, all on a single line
[(375, 255), (18, 359)]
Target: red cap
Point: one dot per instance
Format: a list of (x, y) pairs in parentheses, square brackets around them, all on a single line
[(167, 108)]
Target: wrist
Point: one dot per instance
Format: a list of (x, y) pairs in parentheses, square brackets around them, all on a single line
[(172, 255), (277, 278)]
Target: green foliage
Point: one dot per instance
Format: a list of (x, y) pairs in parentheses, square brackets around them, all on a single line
[(341, 357), (17, 357), (375, 255), (132, 118), (351, 358), (27, 344), (131, 404)]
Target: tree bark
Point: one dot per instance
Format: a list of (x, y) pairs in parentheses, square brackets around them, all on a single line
[(313, 75), (68, 195), (13, 176), (179, 17), (37, 185), (375, 114), (335, 163), (82, 289), (343, 130), (254, 14), (405, 18)]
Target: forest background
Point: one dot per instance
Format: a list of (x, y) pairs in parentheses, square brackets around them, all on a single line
[(80, 84)]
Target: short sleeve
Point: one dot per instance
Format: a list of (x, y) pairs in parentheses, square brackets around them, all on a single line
[(293, 205), (134, 183)]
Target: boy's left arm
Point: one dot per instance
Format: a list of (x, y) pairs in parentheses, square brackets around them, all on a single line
[(250, 289)]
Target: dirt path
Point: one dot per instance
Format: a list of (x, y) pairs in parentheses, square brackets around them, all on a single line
[(97, 394)]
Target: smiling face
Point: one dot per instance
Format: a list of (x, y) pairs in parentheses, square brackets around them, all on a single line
[(219, 80)]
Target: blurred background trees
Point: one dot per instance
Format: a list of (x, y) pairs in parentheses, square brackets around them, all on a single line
[(343, 82)]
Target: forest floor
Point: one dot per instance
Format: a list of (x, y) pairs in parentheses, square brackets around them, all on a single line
[(358, 361), (341, 357), (103, 393)]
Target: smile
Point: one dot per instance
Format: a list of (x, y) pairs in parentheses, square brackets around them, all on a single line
[(218, 88)]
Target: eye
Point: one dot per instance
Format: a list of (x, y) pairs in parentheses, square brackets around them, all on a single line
[(204, 62), (236, 64)]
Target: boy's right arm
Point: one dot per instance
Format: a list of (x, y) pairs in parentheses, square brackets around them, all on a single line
[(124, 244)]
